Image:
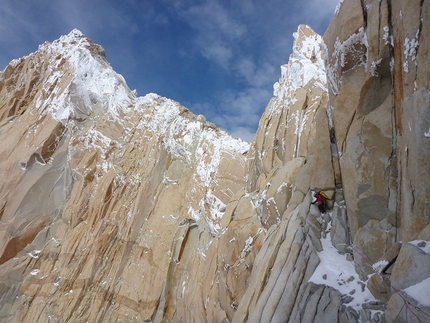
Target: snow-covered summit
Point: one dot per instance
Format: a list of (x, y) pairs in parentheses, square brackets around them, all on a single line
[(76, 88), (118, 208), (94, 85), (84, 155), (95, 88), (306, 63), (307, 46)]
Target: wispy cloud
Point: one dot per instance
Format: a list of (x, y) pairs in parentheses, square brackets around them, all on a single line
[(27, 23), (219, 57), (238, 112), (246, 134), (17, 28), (226, 35), (216, 29), (218, 52), (212, 17), (256, 74), (92, 17), (325, 10)]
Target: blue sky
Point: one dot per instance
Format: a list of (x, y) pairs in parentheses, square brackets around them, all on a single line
[(218, 58)]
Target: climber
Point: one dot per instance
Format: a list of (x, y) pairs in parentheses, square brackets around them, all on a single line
[(321, 201)]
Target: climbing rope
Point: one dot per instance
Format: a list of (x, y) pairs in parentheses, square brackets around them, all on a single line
[(400, 311)]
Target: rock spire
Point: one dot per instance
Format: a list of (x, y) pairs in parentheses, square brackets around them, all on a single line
[(119, 208)]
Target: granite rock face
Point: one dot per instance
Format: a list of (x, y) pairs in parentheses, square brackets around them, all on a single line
[(109, 201), (119, 208), (379, 93), (293, 138)]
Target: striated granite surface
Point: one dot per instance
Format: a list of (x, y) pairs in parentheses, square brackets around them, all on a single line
[(119, 208)]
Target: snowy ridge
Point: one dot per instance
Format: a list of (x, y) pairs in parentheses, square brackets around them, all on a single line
[(306, 64), (302, 86), (94, 85), (198, 144), (81, 85), (309, 54), (338, 6)]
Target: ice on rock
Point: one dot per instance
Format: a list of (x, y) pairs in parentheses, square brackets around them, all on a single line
[(337, 9), (94, 85), (306, 65)]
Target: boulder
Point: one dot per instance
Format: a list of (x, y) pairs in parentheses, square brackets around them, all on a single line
[(382, 237), (411, 264)]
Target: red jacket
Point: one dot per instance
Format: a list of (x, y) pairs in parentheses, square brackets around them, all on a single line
[(320, 199)]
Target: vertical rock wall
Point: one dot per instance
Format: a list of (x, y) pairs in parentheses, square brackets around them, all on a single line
[(115, 207), (377, 67), (109, 202), (290, 157), (378, 87)]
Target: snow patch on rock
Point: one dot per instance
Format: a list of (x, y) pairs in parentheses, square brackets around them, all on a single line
[(337, 9), (419, 292), (337, 272)]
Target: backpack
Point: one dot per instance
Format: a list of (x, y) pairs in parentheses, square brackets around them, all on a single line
[(324, 194)]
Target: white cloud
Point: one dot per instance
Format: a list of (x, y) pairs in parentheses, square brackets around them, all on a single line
[(218, 52), (246, 68), (92, 18), (241, 110), (246, 134), (325, 10), (247, 40), (26, 24), (211, 17), (257, 74), (216, 29)]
